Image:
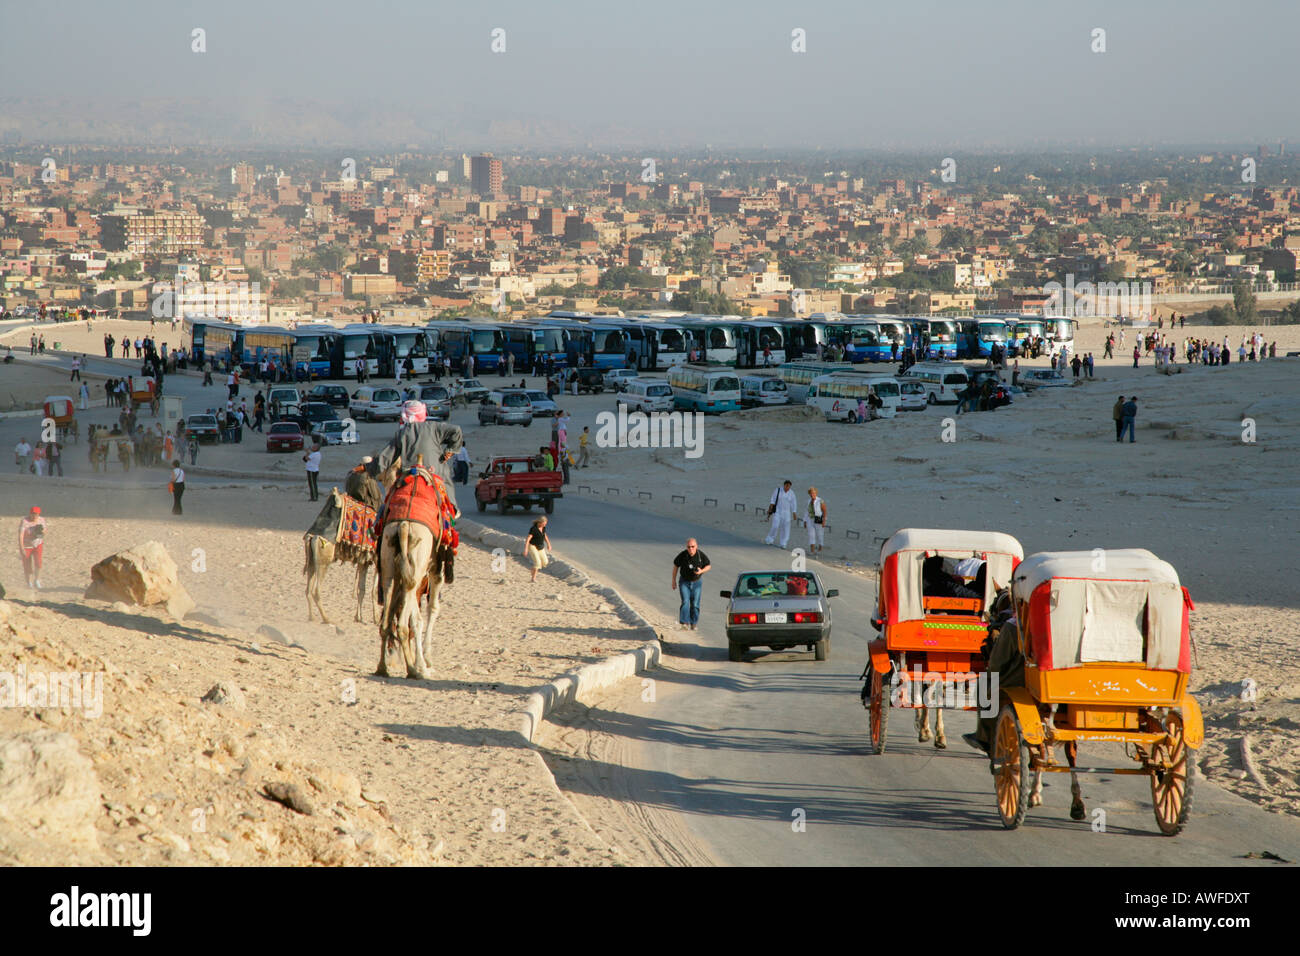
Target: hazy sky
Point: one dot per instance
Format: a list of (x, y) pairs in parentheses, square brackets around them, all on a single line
[(907, 74)]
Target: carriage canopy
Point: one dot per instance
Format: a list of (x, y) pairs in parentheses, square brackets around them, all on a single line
[(59, 407), (1121, 606), (903, 554)]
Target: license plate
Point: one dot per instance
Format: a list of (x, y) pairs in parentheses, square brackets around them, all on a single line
[(774, 618)]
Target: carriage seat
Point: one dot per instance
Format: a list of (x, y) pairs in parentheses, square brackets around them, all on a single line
[(952, 605)]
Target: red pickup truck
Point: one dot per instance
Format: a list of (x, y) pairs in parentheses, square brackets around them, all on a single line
[(517, 481)]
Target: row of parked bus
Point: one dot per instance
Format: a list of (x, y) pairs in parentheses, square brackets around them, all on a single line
[(657, 341)]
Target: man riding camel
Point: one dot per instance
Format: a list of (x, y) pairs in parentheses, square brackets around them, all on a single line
[(435, 441)]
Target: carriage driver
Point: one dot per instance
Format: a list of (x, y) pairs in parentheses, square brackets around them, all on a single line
[(1004, 659), (435, 441)]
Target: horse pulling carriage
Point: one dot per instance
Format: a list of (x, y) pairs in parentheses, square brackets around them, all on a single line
[(1105, 640), (144, 391), (62, 410), (930, 650)]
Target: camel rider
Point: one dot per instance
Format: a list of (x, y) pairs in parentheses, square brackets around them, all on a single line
[(417, 437), (1004, 659)]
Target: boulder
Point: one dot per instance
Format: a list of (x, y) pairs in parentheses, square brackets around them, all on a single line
[(225, 694), (143, 576)]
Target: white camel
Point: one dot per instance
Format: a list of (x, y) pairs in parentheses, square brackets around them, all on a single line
[(412, 563)]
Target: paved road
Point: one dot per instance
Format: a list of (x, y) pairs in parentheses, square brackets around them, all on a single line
[(727, 753)]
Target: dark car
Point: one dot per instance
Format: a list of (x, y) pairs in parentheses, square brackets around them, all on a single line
[(317, 412), (335, 395), (284, 436), (780, 610), (203, 427), (589, 379)]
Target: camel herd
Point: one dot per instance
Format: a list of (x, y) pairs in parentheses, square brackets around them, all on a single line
[(414, 560)]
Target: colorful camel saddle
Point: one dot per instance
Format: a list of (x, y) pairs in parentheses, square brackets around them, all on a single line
[(358, 527), (419, 495)]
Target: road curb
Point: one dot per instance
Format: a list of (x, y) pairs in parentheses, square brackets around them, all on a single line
[(577, 684)]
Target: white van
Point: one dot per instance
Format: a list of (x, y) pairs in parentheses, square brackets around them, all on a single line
[(837, 395), (373, 402), (887, 390), (647, 395), (763, 390), (942, 381)]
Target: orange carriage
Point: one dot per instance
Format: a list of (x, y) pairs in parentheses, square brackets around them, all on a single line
[(62, 410), (144, 391), (1106, 642), (930, 650)]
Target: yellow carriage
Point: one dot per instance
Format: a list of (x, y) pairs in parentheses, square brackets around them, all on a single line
[(1105, 637)]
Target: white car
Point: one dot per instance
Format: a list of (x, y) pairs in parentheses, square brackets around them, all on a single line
[(371, 403), (647, 395), (1044, 378), (911, 396), (617, 378), (336, 433), (470, 390)]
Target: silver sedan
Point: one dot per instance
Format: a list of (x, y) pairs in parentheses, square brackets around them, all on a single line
[(779, 610)]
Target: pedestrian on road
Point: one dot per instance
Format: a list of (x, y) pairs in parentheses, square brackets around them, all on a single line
[(460, 464), (584, 457), (85, 396), (1117, 413), (1130, 418), (1137, 355), (22, 455), (815, 519), (692, 563), (312, 458), (31, 545), (54, 456), (177, 486), (781, 509), (537, 546), (76, 369), (193, 445)]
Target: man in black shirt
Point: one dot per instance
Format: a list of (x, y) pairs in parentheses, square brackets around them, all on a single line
[(692, 563)]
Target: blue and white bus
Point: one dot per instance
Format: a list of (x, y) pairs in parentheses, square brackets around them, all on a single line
[(698, 388), (870, 342), (941, 338), (482, 340), (548, 342), (1060, 331), (893, 332), (1022, 330), (268, 342), (409, 341), (218, 342), (977, 337), (803, 337), (365, 342), (316, 352), (670, 342), (715, 339)]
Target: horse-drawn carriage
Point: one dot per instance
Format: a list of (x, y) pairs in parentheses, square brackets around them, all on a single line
[(63, 411), (144, 391), (1105, 641), (107, 445), (929, 653)]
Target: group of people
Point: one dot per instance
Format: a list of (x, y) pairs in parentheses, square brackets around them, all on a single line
[(783, 510), (42, 459)]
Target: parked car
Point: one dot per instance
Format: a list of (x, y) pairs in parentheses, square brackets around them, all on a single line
[(203, 427), (780, 610), (335, 395), (284, 436), (437, 401), (317, 413), (283, 398), (337, 432), (543, 405), (373, 402), (469, 390), (617, 378), (589, 379), (647, 395), (1044, 378), (506, 407), (517, 481), (911, 396)]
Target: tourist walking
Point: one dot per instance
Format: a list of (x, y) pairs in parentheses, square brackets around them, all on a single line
[(76, 369), (193, 445), (815, 518), (54, 457), (31, 545), (537, 546), (692, 564), (312, 458), (781, 509), (1130, 418), (22, 455), (1117, 413), (177, 486), (460, 465)]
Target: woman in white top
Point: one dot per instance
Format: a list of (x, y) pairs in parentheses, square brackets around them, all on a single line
[(178, 486), (815, 519)]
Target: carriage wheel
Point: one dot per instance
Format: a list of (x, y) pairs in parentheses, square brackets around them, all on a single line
[(1013, 762), (878, 712), (1171, 778)]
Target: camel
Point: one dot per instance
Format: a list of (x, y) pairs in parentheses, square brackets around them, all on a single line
[(414, 562), (322, 548)]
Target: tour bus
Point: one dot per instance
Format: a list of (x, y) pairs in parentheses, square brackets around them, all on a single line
[(942, 381), (942, 338), (837, 394), (1060, 332), (715, 339), (482, 340), (409, 341), (870, 342), (763, 390), (766, 334), (698, 388), (219, 342), (893, 332), (671, 342), (316, 352), (802, 337), (799, 375), (363, 340), (267, 342), (976, 337), (543, 341), (1023, 329)]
